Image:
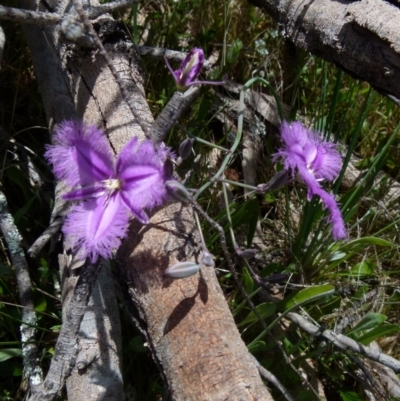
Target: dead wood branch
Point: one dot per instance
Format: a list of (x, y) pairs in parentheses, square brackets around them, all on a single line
[(345, 343), (361, 37), (30, 352), (44, 18), (67, 345)]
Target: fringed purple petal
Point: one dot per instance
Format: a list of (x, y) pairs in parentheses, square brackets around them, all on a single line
[(328, 162), (82, 154), (135, 209), (93, 191), (141, 170), (96, 227), (338, 227), (294, 133)]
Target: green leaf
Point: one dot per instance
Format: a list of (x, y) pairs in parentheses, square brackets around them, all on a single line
[(306, 295), (258, 346), (364, 163), (349, 396), (232, 55), (337, 256), (9, 353), (5, 269), (381, 331), (368, 240), (265, 310), (369, 321), (41, 305), (248, 281), (24, 209), (253, 214), (362, 269)]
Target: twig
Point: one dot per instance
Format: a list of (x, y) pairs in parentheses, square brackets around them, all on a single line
[(160, 52), (2, 43), (359, 375), (372, 382), (60, 209), (171, 113), (41, 18), (30, 353), (29, 17), (50, 232), (123, 87), (348, 315), (94, 12), (231, 267), (66, 348), (345, 343), (267, 375)]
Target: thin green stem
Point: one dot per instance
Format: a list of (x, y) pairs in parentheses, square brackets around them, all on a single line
[(238, 184), (228, 215), (210, 144), (196, 217)]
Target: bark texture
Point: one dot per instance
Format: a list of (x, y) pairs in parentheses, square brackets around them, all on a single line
[(362, 37), (91, 358), (188, 323)]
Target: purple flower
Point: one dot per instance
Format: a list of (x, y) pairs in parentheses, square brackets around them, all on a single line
[(108, 191), (189, 70), (315, 160)]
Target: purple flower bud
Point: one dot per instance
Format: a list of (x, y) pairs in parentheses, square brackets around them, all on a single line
[(177, 191), (207, 259), (189, 70), (247, 253), (168, 168), (190, 67), (277, 181), (185, 149), (182, 270)]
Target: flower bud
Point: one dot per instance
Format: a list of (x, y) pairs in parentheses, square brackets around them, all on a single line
[(207, 259), (247, 253), (182, 270), (177, 191), (277, 181), (185, 149), (190, 68), (168, 168)]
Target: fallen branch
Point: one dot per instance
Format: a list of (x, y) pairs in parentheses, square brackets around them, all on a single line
[(345, 343), (361, 37), (41, 18), (67, 347), (267, 375), (171, 113), (30, 353)]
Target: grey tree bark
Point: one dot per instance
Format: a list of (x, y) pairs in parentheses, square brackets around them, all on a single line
[(187, 323), (361, 37)]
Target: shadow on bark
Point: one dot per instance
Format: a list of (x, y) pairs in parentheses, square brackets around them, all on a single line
[(185, 306)]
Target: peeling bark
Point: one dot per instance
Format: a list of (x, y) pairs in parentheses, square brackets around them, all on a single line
[(361, 37)]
